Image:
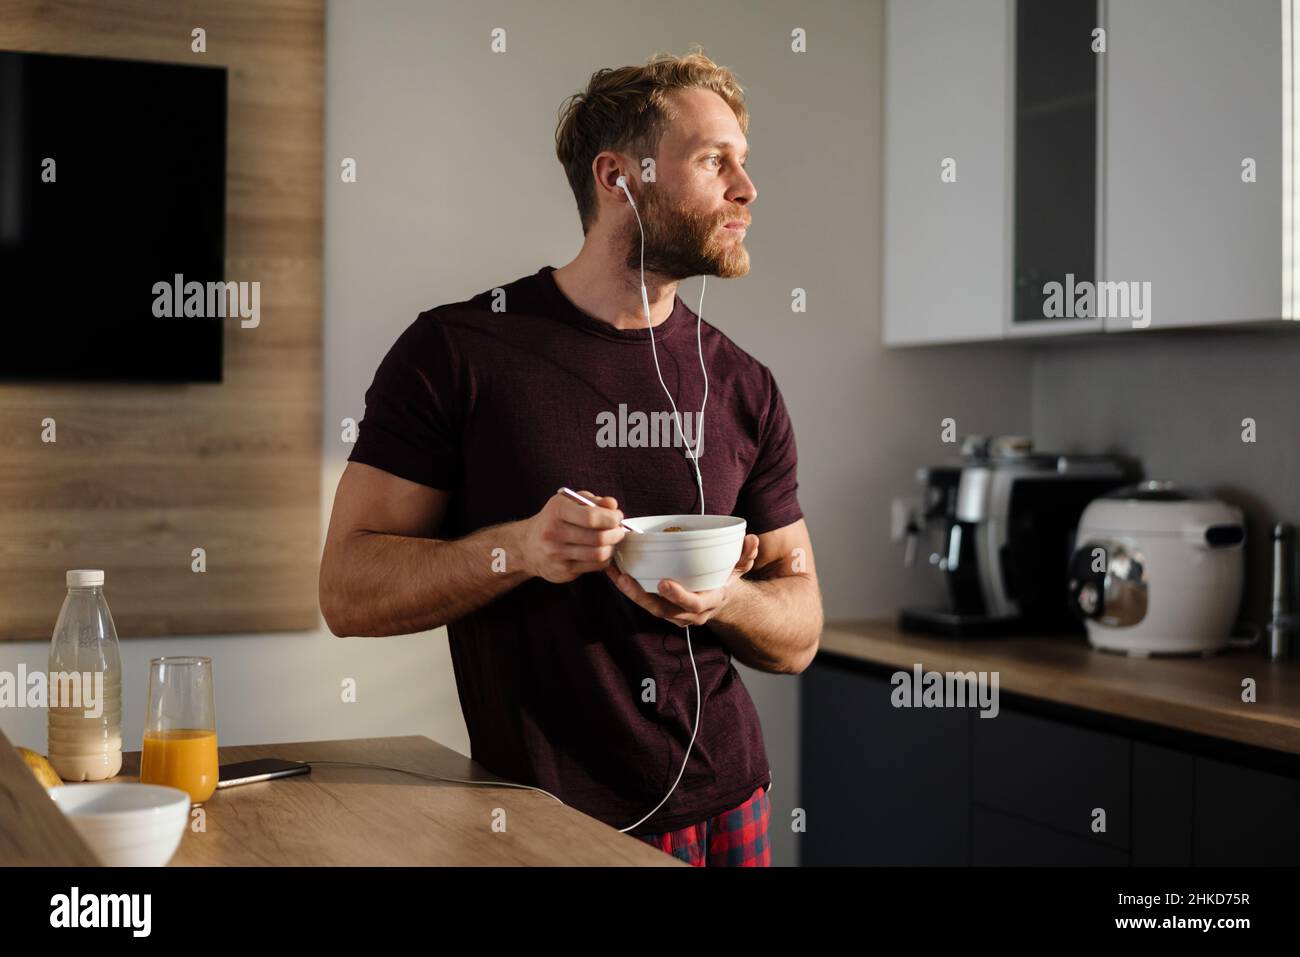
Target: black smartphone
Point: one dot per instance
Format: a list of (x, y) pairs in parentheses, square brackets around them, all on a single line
[(262, 769)]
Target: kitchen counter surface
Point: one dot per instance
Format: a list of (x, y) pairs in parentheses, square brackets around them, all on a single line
[(350, 815), (1200, 695), (33, 830)]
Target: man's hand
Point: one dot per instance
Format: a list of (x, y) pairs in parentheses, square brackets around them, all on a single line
[(683, 607), (567, 539)]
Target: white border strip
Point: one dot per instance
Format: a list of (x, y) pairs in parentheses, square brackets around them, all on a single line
[(1288, 162)]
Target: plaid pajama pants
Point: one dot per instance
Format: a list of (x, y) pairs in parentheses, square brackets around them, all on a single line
[(735, 838)]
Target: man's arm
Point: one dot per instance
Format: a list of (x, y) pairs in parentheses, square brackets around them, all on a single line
[(772, 620), (382, 572)]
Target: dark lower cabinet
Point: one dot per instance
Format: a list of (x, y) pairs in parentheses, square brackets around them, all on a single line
[(1074, 780), (1245, 816), (1001, 840), (887, 785), (1163, 786), (880, 785)]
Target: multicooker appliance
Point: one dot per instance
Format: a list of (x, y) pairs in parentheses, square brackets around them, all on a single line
[(1158, 569), (998, 526)]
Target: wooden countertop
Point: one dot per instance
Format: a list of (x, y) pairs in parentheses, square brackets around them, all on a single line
[(348, 815), (1198, 695), (33, 831)]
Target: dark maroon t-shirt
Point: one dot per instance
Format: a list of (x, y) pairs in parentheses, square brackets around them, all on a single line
[(502, 399)]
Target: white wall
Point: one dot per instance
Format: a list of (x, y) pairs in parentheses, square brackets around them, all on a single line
[(459, 191)]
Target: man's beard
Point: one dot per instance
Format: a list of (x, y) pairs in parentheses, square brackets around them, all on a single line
[(680, 243)]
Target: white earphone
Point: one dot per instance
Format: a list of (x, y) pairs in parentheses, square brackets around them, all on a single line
[(699, 437), (645, 303)]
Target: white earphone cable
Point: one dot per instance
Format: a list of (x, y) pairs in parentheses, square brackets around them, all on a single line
[(699, 479)]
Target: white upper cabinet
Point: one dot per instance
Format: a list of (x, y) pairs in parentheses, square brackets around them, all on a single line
[(1193, 91), (1145, 183), (947, 245)]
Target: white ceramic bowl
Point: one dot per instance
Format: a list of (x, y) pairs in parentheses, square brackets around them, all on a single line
[(699, 558), (126, 825)]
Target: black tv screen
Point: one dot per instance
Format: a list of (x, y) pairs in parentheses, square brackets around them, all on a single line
[(112, 180)]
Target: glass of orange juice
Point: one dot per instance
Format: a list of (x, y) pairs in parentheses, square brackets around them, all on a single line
[(180, 729)]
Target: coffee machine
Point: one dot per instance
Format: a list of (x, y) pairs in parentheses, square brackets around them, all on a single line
[(998, 527)]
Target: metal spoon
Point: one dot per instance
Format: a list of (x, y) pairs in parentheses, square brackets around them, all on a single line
[(586, 501)]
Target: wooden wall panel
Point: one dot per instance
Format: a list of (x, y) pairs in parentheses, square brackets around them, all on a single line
[(142, 474)]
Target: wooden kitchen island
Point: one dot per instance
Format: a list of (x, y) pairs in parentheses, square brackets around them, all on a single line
[(337, 816)]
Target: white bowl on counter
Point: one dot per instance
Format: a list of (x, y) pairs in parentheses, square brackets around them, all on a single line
[(699, 558), (125, 824)]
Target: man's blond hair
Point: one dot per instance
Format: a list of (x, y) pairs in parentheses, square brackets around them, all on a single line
[(627, 109)]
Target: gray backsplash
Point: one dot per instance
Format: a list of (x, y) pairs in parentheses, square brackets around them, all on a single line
[(1176, 402)]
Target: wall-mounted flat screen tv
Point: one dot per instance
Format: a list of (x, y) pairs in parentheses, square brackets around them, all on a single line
[(112, 180)]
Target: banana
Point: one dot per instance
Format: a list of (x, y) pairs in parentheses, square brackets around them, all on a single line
[(44, 772)]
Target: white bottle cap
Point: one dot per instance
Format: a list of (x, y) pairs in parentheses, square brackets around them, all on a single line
[(85, 577)]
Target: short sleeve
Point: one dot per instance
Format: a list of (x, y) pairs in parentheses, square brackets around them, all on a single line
[(768, 500), (412, 426)]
